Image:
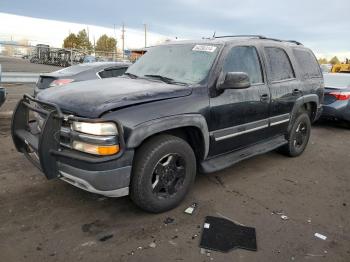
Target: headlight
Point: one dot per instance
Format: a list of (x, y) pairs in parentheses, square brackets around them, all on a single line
[(102, 150), (98, 129)]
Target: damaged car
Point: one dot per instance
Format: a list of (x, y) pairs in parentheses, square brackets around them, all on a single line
[(183, 107)]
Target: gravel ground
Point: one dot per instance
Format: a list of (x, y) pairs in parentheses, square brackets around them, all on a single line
[(53, 221), (14, 64)]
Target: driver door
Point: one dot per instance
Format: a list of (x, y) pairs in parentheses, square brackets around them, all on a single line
[(239, 117)]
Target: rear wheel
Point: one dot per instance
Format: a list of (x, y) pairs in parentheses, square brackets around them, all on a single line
[(298, 136), (163, 172)]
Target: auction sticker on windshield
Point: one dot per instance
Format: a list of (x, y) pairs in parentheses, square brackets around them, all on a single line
[(204, 48)]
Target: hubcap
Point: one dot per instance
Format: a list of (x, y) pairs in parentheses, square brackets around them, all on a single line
[(300, 135), (168, 175)]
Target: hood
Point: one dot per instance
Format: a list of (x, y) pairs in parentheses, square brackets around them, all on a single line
[(93, 98)]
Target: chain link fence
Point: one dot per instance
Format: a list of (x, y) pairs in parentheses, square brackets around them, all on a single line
[(44, 54)]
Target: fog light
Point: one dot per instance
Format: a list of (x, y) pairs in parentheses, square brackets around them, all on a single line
[(101, 150)]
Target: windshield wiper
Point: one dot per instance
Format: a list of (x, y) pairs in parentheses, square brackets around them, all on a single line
[(165, 79), (131, 75)]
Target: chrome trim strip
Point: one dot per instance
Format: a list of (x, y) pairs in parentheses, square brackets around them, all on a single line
[(92, 139), (245, 128), (279, 122), (82, 184), (103, 140), (240, 133)]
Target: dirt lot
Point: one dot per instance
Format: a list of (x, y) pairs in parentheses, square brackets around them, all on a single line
[(53, 221)]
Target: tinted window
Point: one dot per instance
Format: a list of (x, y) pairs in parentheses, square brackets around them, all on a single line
[(307, 63), (244, 59), (112, 72), (278, 64)]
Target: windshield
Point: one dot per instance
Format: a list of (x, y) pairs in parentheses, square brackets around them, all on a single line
[(187, 63), (336, 80)]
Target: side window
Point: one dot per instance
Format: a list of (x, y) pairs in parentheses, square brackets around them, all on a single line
[(278, 64), (244, 59), (112, 72), (307, 63)]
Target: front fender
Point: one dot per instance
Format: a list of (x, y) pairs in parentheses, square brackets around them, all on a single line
[(149, 128)]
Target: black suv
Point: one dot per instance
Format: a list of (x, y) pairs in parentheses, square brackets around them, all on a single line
[(184, 106)]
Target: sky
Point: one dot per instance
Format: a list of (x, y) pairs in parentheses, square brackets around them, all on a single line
[(321, 25)]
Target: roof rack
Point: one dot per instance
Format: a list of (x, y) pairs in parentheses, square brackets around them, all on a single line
[(251, 36), (260, 37)]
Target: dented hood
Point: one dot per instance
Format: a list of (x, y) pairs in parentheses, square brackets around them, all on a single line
[(93, 98)]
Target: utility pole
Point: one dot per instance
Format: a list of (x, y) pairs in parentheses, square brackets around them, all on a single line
[(145, 27), (123, 39), (115, 53)]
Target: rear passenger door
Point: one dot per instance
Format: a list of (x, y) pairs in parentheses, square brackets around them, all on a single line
[(284, 87)]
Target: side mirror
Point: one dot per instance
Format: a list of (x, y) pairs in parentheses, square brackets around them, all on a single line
[(235, 80)]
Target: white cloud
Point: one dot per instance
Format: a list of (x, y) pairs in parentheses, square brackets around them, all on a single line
[(53, 32)]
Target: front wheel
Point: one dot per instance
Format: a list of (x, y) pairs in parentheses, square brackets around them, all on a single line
[(163, 172), (298, 136)]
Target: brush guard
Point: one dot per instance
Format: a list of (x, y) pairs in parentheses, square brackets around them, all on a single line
[(38, 145)]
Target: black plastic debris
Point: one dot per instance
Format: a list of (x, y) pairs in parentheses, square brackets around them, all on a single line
[(106, 237), (169, 220), (220, 234)]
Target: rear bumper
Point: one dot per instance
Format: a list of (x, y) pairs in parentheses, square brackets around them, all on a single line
[(337, 110), (108, 176)]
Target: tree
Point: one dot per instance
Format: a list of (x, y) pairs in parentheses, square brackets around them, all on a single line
[(322, 61), (83, 40), (79, 41), (334, 61), (106, 44), (70, 41)]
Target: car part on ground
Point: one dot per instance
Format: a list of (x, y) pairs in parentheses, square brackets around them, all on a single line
[(220, 234), (206, 104)]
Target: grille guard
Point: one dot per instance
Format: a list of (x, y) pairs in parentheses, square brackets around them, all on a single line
[(40, 144), (42, 148)]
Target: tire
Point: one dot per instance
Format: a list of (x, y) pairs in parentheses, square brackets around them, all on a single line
[(298, 136), (163, 171)]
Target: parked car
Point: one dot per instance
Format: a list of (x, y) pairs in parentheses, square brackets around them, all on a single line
[(204, 104), (337, 96), (2, 95), (80, 72)]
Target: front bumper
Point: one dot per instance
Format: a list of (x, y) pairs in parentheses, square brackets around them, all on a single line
[(107, 175)]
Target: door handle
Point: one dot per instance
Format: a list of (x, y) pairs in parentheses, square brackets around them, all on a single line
[(296, 92), (264, 97)]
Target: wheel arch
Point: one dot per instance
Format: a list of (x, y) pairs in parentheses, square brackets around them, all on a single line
[(190, 127), (309, 103)]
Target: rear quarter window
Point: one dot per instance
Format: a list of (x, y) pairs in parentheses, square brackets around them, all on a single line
[(278, 64), (307, 63)]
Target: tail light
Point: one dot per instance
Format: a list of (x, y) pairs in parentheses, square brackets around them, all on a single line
[(61, 82), (341, 95)]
